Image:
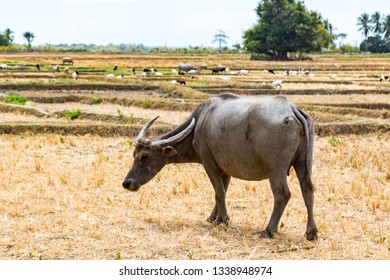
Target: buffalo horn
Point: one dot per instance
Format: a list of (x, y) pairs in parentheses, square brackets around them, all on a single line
[(175, 138), (141, 134)]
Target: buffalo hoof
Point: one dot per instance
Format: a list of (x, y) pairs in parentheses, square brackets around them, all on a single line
[(265, 234), (211, 219), (311, 235), (219, 220)]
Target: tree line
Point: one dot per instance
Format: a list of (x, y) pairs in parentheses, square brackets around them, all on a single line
[(7, 38), (284, 28), (379, 26)]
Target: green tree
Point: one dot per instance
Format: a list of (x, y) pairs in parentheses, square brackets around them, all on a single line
[(386, 27), (29, 36), (376, 22), (236, 47), (364, 22), (220, 38), (8, 36), (3, 40), (286, 26), (376, 44)]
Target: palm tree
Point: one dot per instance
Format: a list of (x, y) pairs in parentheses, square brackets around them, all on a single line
[(386, 26), (220, 38), (29, 37), (376, 21), (364, 23), (8, 36)]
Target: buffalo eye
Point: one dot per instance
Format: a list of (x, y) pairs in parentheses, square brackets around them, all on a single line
[(144, 157)]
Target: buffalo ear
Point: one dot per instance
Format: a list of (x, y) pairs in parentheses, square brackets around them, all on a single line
[(169, 151)]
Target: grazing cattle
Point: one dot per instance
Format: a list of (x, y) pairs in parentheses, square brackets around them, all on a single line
[(218, 69), (185, 67), (250, 138), (67, 60), (38, 67)]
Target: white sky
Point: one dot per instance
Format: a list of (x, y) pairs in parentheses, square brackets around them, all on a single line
[(160, 22)]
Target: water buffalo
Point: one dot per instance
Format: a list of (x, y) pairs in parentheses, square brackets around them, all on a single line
[(218, 69), (67, 60), (250, 138), (186, 67)]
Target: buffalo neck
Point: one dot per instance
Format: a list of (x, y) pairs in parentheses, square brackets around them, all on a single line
[(185, 151)]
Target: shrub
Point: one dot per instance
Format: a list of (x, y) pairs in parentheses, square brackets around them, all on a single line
[(120, 113), (16, 99), (96, 100), (146, 103), (334, 141), (123, 116), (72, 114)]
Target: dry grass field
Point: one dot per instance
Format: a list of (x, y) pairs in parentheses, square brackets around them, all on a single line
[(60, 182)]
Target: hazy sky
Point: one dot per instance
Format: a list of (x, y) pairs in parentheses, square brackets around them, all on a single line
[(159, 22)]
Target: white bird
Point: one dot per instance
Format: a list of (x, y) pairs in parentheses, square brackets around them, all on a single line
[(243, 72), (174, 82), (174, 72), (277, 83), (119, 77), (109, 75), (74, 76), (159, 74), (194, 71)]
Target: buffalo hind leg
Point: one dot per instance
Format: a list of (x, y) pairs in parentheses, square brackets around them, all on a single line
[(281, 195), (308, 196)]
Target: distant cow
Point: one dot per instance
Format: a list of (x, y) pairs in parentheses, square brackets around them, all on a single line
[(68, 60), (218, 69), (251, 138), (185, 67)]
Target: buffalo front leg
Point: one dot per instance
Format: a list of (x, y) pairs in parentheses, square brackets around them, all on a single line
[(281, 195), (213, 218), (218, 180)]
